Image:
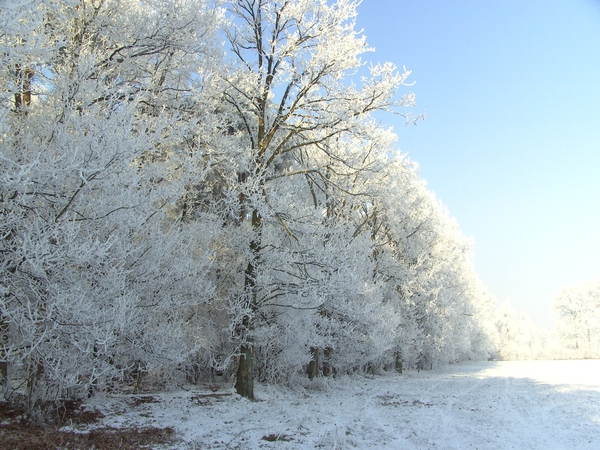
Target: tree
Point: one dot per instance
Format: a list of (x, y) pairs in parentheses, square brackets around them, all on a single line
[(519, 337), (169, 205), (290, 90), (578, 325), (95, 118), (426, 264)]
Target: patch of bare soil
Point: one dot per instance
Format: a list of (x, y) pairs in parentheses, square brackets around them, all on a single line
[(19, 432)]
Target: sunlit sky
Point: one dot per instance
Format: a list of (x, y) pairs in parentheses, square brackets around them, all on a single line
[(511, 143)]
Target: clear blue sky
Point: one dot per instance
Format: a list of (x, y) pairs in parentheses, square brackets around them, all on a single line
[(511, 143)]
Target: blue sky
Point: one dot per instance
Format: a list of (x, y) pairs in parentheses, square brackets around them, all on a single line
[(511, 143)]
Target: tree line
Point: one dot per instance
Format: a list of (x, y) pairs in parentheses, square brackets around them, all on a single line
[(190, 187)]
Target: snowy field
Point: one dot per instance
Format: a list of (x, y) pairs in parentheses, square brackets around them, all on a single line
[(485, 405)]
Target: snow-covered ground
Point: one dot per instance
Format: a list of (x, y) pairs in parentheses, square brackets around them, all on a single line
[(483, 405)]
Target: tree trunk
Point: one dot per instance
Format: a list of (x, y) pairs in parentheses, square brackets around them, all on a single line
[(244, 384), (35, 385), (23, 95), (313, 366), (327, 372), (399, 362), (3, 343)]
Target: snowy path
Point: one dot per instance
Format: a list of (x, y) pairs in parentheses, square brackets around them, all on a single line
[(487, 405)]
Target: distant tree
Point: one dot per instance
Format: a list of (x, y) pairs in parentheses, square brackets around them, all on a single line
[(519, 338), (578, 325), (426, 265)]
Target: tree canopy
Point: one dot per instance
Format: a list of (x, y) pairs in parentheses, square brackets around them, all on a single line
[(194, 187)]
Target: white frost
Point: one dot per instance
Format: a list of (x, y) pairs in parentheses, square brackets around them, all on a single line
[(482, 405)]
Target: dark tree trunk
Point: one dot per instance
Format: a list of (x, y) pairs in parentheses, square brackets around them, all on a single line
[(327, 371), (23, 95), (35, 384), (244, 384), (313, 366), (398, 362), (3, 342)]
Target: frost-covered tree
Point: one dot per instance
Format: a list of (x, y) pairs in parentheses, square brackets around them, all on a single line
[(425, 262), (519, 338), (290, 92), (97, 272), (578, 325), (169, 203)]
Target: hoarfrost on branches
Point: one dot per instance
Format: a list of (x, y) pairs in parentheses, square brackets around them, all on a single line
[(173, 207)]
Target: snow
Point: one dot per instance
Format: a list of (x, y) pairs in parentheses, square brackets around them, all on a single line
[(475, 405)]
